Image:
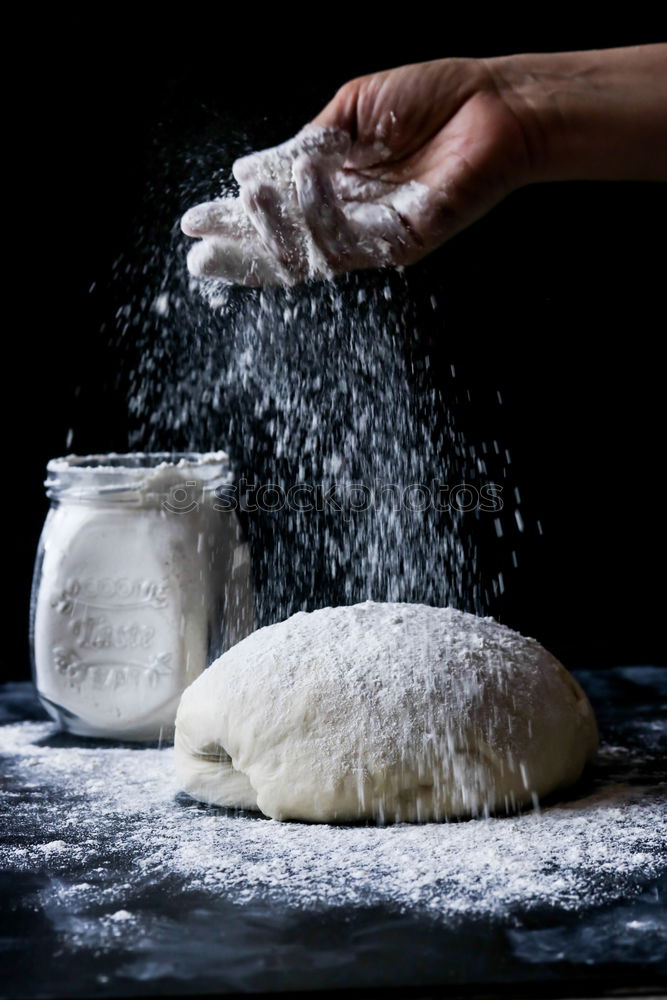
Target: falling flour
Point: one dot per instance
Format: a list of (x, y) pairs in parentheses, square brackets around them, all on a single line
[(328, 384)]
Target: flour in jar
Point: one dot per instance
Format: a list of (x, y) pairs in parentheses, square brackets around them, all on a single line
[(140, 579)]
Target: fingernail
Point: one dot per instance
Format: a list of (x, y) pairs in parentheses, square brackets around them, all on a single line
[(193, 221)]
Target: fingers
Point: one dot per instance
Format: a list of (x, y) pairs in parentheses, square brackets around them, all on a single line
[(269, 166), (354, 186), (319, 204), (333, 143), (229, 249), (352, 234), (381, 235), (269, 194), (275, 226), (341, 111), (224, 217), (274, 166), (236, 262), (301, 215)]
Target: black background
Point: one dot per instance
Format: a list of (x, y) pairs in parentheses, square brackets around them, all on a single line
[(557, 299)]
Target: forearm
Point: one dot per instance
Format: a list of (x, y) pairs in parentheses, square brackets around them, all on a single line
[(598, 115)]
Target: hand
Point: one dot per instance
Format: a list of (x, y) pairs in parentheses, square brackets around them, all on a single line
[(265, 235), (444, 125), (402, 160), (395, 164)]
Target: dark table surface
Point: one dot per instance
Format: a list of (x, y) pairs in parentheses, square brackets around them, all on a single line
[(193, 943)]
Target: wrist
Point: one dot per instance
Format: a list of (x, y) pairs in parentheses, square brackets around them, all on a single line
[(589, 115)]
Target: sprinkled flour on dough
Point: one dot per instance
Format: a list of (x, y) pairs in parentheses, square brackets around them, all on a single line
[(392, 712), (605, 845)]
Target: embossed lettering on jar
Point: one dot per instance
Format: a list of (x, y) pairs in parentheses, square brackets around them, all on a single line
[(141, 580)]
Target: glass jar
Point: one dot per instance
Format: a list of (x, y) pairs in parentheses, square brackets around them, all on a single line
[(142, 578)]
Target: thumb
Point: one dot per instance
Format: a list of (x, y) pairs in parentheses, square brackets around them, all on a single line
[(341, 111)]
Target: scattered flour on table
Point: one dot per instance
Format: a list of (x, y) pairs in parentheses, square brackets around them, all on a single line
[(120, 802)]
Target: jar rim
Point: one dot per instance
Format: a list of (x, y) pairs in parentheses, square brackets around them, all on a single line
[(134, 477), (114, 462)]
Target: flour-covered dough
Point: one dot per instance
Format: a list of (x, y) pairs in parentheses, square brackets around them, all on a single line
[(390, 712)]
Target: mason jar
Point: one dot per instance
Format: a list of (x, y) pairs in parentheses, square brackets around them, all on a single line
[(141, 580)]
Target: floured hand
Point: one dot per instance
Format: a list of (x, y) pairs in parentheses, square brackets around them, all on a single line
[(393, 166), (400, 161), (301, 214)]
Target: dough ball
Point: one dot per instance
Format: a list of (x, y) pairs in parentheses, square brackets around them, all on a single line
[(386, 712)]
